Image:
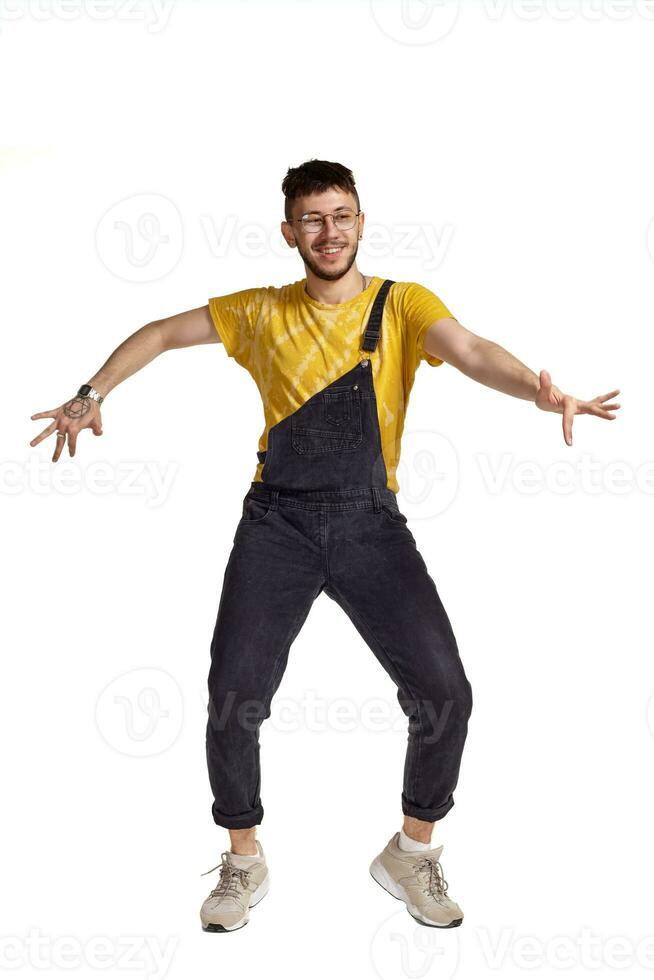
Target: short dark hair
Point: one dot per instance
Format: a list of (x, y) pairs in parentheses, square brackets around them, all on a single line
[(314, 177)]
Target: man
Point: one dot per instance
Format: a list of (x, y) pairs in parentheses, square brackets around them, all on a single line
[(334, 357)]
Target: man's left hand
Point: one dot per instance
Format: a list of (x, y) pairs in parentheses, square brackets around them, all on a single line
[(550, 399)]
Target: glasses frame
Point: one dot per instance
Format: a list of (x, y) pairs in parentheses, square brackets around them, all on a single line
[(331, 215)]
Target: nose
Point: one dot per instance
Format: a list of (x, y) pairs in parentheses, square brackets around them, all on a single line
[(331, 218), (330, 232)]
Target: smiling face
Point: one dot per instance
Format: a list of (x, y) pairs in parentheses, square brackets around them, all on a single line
[(330, 252)]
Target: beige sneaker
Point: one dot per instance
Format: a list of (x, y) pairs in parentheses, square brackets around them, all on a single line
[(239, 888), (416, 877)]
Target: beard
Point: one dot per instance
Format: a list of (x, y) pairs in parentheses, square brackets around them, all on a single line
[(329, 275)]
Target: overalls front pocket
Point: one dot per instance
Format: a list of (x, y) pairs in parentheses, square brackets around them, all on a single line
[(328, 422)]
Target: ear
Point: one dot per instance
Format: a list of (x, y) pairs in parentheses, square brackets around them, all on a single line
[(287, 234)]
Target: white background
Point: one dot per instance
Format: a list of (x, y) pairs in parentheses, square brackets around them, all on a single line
[(518, 138)]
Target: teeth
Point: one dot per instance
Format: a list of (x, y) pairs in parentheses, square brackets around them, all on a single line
[(328, 251)]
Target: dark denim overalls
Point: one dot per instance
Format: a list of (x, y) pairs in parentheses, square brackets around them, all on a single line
[(323, 520)]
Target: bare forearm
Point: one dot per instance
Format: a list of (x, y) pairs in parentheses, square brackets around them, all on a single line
[(134, 353), (495, 367)]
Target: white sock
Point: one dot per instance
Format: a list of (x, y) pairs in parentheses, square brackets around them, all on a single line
[(409, 844), (245, 860)]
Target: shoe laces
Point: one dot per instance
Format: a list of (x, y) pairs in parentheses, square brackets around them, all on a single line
[(436, 883), (230, 879)]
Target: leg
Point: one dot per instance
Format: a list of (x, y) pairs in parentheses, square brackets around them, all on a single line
[(243, 841), (271, 580), (379, 578), (420, 830)]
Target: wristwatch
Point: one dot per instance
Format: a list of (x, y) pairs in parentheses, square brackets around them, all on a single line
[(87, 391)]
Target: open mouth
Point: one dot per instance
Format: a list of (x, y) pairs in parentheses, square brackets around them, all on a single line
[(330, 251)]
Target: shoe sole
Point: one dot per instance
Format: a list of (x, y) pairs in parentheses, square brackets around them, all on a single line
[(379, 874), (257, 895)]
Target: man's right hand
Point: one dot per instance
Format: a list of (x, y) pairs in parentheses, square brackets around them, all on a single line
[(181, 330), (69, 419)]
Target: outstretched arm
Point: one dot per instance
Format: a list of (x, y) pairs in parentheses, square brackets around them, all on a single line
[(491, 365), (181, 330)]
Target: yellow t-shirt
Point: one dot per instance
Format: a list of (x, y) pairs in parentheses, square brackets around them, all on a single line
[(294, 346)]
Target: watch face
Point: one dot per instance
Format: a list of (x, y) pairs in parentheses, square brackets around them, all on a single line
[(84, 390)]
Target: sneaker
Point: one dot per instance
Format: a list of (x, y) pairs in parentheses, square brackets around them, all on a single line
[(227, 907), (416, 878)]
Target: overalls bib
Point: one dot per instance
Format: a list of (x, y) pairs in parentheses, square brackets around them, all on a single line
[(333, 441)]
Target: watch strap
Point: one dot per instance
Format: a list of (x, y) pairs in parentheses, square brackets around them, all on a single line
[(88, 391)]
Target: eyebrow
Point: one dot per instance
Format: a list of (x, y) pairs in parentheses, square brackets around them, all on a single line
[(341, 207)]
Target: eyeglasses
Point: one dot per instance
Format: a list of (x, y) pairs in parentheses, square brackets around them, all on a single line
[(314, 221)]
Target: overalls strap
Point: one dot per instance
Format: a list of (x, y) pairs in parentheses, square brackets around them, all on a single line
[(371, 335)]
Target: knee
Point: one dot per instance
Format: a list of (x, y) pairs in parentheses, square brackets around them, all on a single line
[(236, 712), (444, 701), (464, 688), (462, 693), (449, 704)]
